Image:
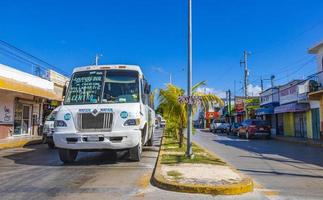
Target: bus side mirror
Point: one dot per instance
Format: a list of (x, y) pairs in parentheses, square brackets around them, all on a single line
[(147, 89), (64, 91)]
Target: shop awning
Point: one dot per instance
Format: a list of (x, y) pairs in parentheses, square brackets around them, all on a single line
[(315, 95), (292, 107), (265, 111), (20, 87)]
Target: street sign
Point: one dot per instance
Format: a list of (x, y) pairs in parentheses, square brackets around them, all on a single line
[(190, 99)]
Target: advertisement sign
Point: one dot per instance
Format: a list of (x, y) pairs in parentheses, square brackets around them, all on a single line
[(288, 95), (239, 105), (252, 103), (211, 115)]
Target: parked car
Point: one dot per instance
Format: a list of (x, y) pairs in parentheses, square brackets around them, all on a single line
[(213, 125), (254, 128), (233, 128), (48, 130), (219, 127)]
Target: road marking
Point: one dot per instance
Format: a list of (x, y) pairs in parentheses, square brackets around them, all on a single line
[(267, 192)]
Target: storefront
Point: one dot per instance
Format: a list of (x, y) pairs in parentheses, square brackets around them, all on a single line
[(269, 99), (317, 94), (294, 118), (22, 102)]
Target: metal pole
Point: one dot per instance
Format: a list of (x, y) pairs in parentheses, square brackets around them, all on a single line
[(189, 80), (170, 78), (245, 62), (272, 77), (96, 59), (229, 106), (261, 84)]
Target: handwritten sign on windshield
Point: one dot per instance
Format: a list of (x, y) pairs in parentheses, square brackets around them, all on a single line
[(86, 87)]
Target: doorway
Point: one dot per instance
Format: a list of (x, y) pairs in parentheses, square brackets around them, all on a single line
[(22, 122), (300, 124)]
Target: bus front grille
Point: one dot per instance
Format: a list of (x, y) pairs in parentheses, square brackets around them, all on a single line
[(102, 121)]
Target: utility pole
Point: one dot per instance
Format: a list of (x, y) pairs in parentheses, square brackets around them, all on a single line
[(189, 152), (245, 78), (246, 72), (229, 106), (261, 84), (170, 78)]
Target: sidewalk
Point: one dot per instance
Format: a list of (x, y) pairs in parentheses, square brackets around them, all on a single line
[(204, 173), (305, 141), (16, 142)]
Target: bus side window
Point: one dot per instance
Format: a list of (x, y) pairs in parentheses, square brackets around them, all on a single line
[(143, 95)]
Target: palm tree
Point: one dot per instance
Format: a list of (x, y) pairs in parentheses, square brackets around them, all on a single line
[(175, 113)]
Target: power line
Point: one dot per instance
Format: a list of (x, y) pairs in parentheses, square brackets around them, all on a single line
[(298, 69), (6, 44)]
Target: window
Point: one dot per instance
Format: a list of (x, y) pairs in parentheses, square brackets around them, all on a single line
[(121, 86)]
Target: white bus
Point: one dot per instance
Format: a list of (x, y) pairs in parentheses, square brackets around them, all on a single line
[(106, 107)]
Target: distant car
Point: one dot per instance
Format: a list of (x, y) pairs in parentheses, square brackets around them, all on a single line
[(233, 128), (48, 130), (213, 125), (254, 128), (222, 127)]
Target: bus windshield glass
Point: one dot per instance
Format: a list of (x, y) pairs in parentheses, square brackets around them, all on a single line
[(98, 86), (85, 87), (121, 86)]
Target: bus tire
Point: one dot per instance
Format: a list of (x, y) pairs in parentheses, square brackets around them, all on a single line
[(67, 155), (150, 141), (135, 152)]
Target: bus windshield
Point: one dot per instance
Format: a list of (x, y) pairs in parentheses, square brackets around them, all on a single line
[(98, 86)]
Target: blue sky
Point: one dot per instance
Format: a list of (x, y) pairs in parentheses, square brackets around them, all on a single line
[(153, 35)]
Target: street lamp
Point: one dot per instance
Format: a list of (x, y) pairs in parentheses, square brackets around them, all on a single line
[(189, 152)]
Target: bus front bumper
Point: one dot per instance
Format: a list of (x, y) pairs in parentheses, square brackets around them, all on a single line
[(115, 140)]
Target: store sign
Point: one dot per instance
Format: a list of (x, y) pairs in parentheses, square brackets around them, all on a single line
[(239, 105), (211, 115), (252, 103), (190, 99)]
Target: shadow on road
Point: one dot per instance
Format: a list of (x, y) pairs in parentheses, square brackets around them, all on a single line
[(275, 150)]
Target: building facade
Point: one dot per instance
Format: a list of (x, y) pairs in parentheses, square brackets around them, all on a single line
[(269, 99), (318, 94), (23, 99)]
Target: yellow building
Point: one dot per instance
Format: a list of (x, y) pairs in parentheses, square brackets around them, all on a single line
[(22, 99)]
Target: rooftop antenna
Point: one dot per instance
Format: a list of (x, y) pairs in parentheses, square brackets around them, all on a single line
[(97, 57)]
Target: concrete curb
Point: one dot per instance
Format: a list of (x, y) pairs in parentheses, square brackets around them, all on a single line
[(246, 185), (21, 142)]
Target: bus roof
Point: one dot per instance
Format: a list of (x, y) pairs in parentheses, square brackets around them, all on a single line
[(107, 67)]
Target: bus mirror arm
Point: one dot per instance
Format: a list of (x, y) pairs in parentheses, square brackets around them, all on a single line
[(64, 91)]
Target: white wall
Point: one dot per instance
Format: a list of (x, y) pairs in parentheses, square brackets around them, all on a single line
[(29, 79), (6, 109)]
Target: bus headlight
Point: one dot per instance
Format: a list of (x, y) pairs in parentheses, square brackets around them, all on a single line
[(60, 123), (132, 122)]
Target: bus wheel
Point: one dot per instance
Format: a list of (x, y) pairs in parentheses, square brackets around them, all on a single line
[(150, 142), (67, 155), (135, 152)]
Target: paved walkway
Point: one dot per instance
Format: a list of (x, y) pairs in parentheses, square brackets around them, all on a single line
[(282, 170)]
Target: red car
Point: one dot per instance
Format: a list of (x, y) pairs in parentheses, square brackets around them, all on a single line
[(254, 128)]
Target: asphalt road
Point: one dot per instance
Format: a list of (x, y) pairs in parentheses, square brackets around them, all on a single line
[(281, 170), (36, 172)]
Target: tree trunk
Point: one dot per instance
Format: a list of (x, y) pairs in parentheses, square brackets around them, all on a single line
[(181, 138)]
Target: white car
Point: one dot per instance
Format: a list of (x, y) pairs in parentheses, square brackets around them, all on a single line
[(48, 129), (106, 107)]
